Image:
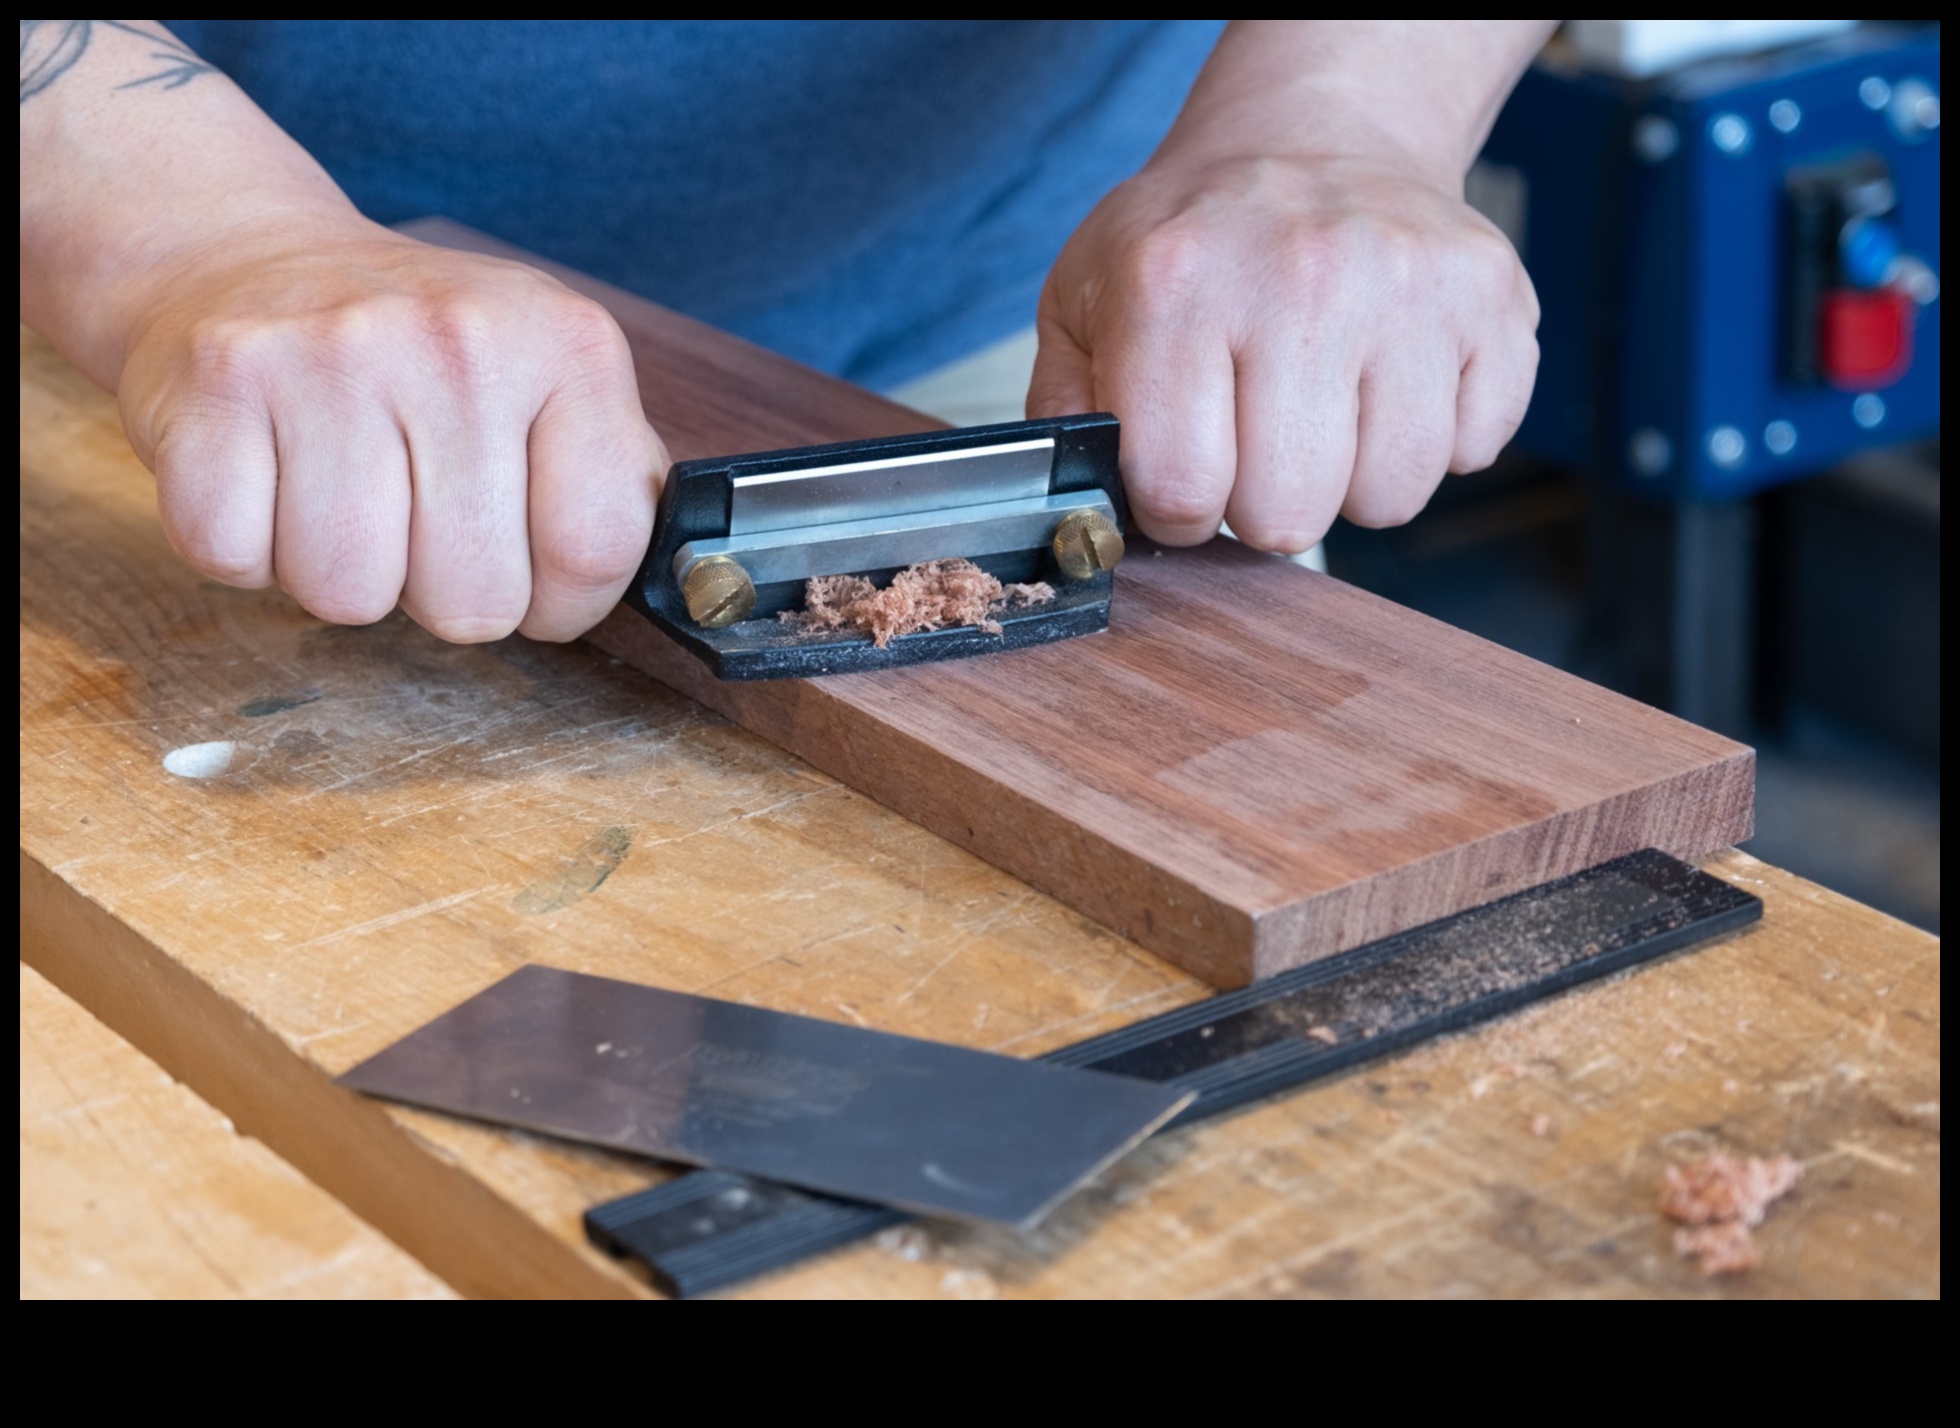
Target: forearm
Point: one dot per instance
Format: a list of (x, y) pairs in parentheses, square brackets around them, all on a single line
[(1310, 88), (136, 159)]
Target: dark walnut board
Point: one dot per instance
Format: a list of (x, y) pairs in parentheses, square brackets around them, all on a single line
[(1255, 766)]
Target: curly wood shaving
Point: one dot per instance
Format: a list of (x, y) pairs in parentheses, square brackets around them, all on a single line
[(930, 596)]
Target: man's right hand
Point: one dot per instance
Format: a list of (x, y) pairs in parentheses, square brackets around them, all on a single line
[(358, 417), (365, 419)]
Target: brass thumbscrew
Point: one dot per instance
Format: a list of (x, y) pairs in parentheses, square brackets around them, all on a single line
[(1086, 542), (718, 591)]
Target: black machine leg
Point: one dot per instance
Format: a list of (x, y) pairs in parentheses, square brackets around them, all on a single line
[(1673, 594)]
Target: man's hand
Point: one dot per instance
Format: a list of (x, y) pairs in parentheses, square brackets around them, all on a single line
[(358, 417), (1291, 307), (364, 419)]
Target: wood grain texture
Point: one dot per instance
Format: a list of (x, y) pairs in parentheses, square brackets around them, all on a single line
[(400, 822), (131, 1187), (1255, 766)]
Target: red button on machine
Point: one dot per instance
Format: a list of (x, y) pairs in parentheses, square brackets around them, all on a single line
[(1864, 337)]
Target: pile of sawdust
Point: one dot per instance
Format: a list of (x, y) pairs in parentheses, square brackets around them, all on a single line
[(1719, 1200), (922, 597)]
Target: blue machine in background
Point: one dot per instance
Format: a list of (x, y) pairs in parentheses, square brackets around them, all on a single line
[(1674, 232), (1739, 268)]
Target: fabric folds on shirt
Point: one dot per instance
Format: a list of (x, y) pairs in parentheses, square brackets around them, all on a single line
[(871, 197)]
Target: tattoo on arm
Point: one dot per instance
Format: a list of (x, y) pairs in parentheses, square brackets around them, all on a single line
[(50, 48)]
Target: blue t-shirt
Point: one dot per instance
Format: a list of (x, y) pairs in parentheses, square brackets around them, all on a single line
[(871, 197)]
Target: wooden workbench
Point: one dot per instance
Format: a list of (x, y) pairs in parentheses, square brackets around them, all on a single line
[(364, 826), (132, 1187)]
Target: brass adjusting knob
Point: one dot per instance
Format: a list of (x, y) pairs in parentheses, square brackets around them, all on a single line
[(718, 591), (1086, 542)]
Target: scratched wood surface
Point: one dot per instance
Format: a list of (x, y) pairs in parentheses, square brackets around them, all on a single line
[(1255, 766), (132, 1187), (371, 826)]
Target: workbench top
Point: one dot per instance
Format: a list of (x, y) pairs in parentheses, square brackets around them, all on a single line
[(133, 1187), (262, 848)]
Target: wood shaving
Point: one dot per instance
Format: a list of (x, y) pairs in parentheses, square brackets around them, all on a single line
[(1325, 1034), (1727, 1187), (1722, 1198), (1724, 1248), (930, 596)]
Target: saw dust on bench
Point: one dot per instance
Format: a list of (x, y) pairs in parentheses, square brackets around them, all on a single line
[(929, 596)]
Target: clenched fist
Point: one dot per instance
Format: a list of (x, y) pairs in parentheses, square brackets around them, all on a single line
[(1291, 307), (364, 419)]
